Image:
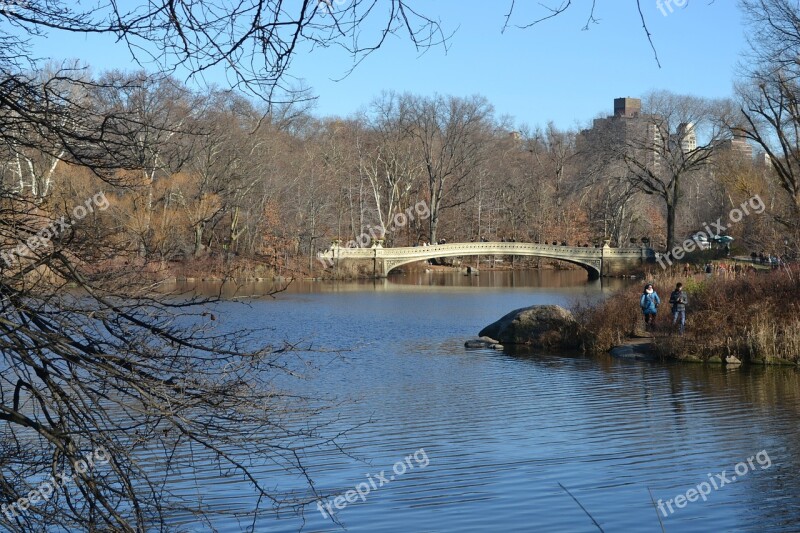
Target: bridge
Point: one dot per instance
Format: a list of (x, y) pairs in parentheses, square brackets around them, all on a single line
[(600, 261)]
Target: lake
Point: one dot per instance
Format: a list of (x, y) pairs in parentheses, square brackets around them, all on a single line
[(496, 441)]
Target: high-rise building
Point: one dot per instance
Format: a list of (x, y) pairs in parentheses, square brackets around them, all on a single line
[(686, 136), (763, 160), (627, 107), (738, 145), (626, 131)]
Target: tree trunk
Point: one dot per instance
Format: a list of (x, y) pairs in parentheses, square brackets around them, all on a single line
[(198, 238), (433, 226), (670, 225)]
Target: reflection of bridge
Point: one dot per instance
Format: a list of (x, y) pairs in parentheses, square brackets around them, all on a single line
[(381, 261)]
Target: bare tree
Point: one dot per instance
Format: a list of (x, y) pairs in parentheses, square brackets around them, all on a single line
[(387, 156), (769, 98), (253, 41), (146, 116), (450, 134), (34, 168), (118, 367), (554, 151), (655, 150)]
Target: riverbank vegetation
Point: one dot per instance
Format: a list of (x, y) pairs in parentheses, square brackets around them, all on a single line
[(752, 316)]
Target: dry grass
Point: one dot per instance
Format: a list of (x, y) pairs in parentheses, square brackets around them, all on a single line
[(753, 316), (219, 269)]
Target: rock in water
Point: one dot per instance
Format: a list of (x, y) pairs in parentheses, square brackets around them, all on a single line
[(540, 326), (483, 342)]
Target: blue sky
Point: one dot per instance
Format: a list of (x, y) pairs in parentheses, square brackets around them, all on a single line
[(552, 71)]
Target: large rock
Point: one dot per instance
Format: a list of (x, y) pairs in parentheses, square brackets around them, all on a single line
[(539, 326)]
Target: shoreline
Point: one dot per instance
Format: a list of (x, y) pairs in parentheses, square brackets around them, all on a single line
[(731, 319), (642, 349)]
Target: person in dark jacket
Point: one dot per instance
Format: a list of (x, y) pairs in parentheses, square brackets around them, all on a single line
[(649, 303), (679, 300)]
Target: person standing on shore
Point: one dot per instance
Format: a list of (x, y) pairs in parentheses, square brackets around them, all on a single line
[(679, 300), (649, 303)]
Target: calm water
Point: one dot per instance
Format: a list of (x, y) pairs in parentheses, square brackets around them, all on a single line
[(501, 431)]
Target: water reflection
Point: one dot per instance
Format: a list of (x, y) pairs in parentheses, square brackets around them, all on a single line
[(574, 280)]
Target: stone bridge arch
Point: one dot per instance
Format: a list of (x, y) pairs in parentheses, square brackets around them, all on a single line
[(592, 266)]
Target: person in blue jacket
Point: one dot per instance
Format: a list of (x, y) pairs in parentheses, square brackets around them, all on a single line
[(649, 303)]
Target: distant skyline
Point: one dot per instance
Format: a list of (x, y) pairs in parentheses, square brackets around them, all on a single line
[(552, 71)]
